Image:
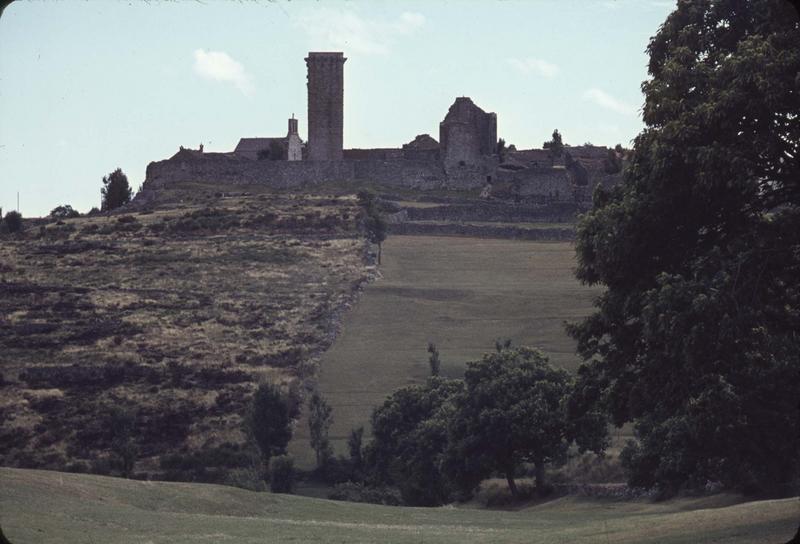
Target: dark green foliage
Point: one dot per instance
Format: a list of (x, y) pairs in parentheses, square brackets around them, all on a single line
[(281, 474), (555, 145), (612, 164), (356, 492), (121, 425), (354, 447), (409, 436), (373, 223), (268, 420), (115, 191), (12, 221), (501, 149), (695, 339), (320, 418), (64, 212), (512, 411), (434, 362)]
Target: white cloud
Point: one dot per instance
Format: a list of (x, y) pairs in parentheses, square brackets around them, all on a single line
[(605, 100), (347, 31), (219, 66), (532, 65)]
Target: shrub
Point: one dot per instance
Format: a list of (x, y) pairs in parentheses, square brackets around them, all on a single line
[(281, 474), (13, 221), (268, 420), (355, 492), (64, 212)]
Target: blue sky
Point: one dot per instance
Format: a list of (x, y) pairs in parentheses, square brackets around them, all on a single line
[(86, 87)]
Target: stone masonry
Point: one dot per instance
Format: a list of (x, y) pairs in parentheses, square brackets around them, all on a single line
[(325, 106)]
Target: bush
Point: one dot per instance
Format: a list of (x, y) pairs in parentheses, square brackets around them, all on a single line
[(281, 474), (13, 221), (64, 212), (355, 492), (268, 421)]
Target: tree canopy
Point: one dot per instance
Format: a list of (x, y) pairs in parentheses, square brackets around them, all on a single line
[(268, 420), (695, 339), (513, 410), (115, 191)]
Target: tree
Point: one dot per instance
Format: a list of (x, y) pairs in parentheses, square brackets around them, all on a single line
[(116, 191), (409, 436), (277, 151), (64, 212), (13, 221), (555, 145), (433, 360), (320, 419), (373, 222), (281, 474), (694, 339), (512, 410), (501, 150), (268, 421), (355, 448), (122, 423)]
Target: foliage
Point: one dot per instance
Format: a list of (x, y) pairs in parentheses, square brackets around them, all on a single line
[(115, 191), (612, 164), (13, 221), (121, 424), (354, 447), (409, 436), (373, 223), (501, 150), (434, 362), (281, 474), (512, 410), (64, 212), (268, 420), (555, 145), (695, 339), (357, 492), (320, 418)]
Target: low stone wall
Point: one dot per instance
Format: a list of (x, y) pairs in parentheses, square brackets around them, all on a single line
[(483, 231), (556, 212)]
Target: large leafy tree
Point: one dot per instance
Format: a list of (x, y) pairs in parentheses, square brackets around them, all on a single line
[(513, 410), (409, 436), (695, 339)]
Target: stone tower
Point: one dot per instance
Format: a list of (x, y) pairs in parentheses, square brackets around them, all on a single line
[(294, 145), (325, 106)]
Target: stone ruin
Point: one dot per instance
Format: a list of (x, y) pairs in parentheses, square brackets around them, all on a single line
[(464, 158)]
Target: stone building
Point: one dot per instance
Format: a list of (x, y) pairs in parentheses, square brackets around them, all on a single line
[(467, 134), (290, 146), (325, 106)]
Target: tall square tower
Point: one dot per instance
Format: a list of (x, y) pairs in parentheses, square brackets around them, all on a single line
[(325, 106)]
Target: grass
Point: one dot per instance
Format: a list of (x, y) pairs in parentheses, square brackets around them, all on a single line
[(461, 294), (175, 314), (48, 507)]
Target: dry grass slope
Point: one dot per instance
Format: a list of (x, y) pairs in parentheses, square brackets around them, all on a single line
[(175, 313)]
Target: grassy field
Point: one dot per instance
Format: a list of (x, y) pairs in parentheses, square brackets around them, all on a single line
[(459, 293), (40, 507)]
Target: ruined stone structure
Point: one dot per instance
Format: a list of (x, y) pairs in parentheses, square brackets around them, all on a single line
[(325, 106), (464, 158), (467, 134)]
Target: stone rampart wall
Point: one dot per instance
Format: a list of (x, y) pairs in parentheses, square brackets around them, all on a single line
[(556, 212), (484, 231)]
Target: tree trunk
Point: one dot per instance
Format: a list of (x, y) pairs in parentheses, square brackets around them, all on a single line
[(540, 482), (380, 250), (512, 485)]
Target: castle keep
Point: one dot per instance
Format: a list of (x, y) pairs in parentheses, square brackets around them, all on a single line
[(465, 157), (325, 106)]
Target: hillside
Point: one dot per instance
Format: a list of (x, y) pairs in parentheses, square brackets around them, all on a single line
[(83, 508), (168, 316)]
